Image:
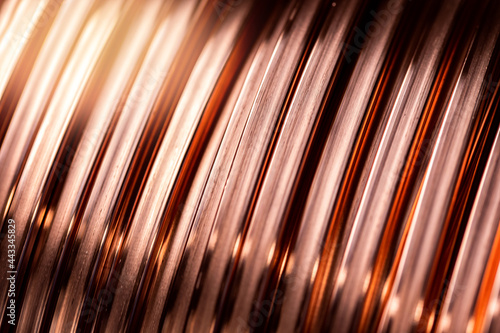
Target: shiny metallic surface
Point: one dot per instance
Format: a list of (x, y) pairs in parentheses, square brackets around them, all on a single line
[(249, 166)]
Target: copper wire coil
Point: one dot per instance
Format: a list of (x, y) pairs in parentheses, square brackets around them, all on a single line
[(249, 166)]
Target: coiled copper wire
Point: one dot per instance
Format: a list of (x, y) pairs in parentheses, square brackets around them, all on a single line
[(250, 166)]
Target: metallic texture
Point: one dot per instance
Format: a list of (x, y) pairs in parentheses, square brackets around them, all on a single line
[(250, 165)]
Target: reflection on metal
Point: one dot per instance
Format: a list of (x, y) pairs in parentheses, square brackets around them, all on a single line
[(250, 165)]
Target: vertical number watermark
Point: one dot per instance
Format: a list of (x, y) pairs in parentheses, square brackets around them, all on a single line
[(11, 272)]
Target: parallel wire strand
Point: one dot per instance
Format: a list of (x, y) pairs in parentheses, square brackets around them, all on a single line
[(236, 166)]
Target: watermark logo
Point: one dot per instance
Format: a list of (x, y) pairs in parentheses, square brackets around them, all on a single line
[(223, 7), (491, 87), (11, 272), (372, 29)]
